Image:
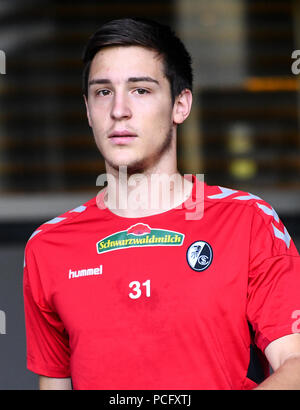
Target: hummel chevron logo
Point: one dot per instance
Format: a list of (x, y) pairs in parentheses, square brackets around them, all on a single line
[(225, 193), (247, 197), (284, 236), (268, 211)]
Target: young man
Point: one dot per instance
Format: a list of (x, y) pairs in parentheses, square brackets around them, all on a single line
[(129, 291)]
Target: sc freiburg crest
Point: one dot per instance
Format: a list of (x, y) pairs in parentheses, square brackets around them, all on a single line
[(199, 255)]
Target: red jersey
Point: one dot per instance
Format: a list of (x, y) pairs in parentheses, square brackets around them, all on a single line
[(163, 301)]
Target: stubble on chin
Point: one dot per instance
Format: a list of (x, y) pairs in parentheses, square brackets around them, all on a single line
[(140, 166)]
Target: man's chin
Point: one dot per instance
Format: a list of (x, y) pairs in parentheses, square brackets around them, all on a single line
[(142, 165), (130, 168)]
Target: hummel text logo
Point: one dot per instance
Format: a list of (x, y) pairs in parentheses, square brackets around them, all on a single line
[(85, 272)]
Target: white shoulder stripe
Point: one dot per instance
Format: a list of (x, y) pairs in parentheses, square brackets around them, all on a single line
[(247, 197), (58, 219), (285, 236), (225, 193), (268, 211), (34, 233), (55, 220), (80, 208)]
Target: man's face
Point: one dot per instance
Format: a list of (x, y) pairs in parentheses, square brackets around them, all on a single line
[(129, 107)]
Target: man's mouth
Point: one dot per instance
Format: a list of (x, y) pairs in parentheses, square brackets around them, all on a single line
[(121, 137)]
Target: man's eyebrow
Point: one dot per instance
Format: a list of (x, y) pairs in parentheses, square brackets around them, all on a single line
[(130, 80), (141, 79), (99, 81)]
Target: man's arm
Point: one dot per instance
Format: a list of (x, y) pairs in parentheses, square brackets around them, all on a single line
[(51, 383), (283, 355)]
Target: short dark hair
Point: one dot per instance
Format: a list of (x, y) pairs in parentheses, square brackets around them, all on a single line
[(146, 33)]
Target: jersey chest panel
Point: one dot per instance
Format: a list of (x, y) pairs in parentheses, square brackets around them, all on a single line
[(152, 289)]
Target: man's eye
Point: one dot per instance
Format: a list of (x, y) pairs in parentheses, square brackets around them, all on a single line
[(102, 93), (142, 91)]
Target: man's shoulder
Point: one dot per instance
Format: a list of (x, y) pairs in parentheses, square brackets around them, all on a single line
[(264, 214), (238, 198), (220, 194), (224, 194), (72, 215)]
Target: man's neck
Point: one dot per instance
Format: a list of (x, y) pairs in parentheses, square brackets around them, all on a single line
[(145, 194)]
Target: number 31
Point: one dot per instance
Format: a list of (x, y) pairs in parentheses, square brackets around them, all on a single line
[(136, 287)]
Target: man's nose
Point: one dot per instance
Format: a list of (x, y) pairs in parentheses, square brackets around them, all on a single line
[(120, 107)]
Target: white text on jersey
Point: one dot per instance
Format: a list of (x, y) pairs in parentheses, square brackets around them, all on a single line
[(85, 272)]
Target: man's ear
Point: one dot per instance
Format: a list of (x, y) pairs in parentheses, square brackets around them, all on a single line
[(182, 106), (87, 110)]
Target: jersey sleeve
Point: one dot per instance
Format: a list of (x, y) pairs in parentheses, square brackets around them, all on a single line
[(46, 338), (273, 304)]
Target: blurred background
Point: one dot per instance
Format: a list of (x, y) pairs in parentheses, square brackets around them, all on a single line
[(243, 131)]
